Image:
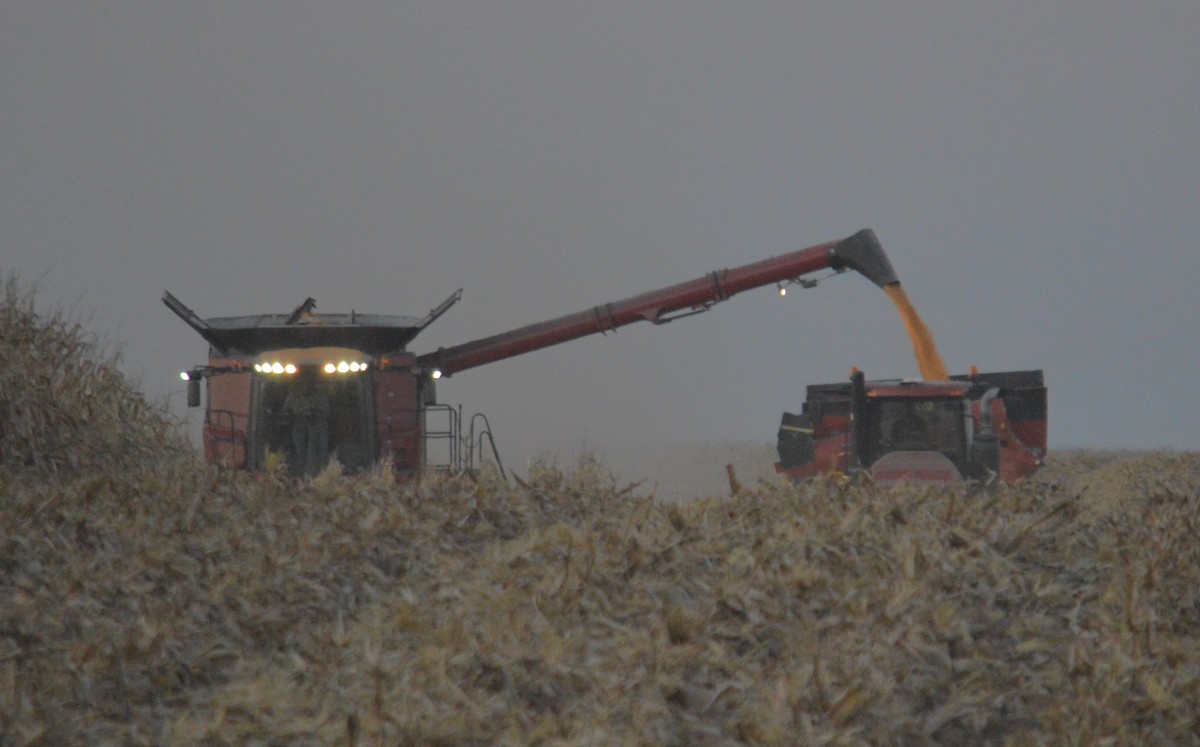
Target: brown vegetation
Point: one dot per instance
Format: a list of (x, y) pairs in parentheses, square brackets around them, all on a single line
[(165, 602), (64, 406)]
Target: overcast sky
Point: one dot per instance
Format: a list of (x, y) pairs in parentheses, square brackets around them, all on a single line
[(1032, 169)]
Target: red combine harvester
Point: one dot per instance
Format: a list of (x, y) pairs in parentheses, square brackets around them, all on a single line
[(980, 426), (309, 387)]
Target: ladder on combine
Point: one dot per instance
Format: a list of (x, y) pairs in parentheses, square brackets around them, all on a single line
[(450, 450), (224, 442)]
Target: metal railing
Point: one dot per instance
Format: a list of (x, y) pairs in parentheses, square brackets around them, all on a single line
[(449, 449), (220, 428)]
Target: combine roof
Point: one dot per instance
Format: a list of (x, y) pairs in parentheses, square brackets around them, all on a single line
[(373, 334)]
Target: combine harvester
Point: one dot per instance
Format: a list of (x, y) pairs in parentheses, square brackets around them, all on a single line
[(309, 387)]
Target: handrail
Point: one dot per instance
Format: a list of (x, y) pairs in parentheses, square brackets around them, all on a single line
[(486, 431), (217, 432)]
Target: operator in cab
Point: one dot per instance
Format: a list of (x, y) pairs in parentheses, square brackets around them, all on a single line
[(910, 431), (308, 410)]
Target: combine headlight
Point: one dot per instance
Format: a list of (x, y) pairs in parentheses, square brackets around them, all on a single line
[(276, 368), (344, 367), (437, 373), (185, 376)]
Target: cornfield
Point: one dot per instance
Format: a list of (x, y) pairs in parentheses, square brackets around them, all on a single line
[(146, 598)]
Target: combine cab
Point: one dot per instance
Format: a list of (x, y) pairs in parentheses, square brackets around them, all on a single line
[(981, 426), (305, 389)]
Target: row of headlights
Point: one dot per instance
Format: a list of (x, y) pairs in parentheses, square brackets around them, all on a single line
[(290, 369), (329, 368)]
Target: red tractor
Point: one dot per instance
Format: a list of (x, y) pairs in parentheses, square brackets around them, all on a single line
[(981, 426), (305, 388)]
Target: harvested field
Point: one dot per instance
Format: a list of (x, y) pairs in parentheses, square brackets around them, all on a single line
[(685, 470), (148, 599)]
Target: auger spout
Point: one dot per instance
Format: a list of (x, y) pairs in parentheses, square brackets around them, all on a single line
[(863, 253)]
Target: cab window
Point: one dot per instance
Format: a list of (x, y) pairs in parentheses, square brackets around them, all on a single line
[(911, 424), (309, 419)]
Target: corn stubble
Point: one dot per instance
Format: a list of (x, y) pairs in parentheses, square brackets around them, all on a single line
[(160, 601)]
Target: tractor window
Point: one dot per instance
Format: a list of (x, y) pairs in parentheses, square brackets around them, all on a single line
[(912, 424), (308, 419)]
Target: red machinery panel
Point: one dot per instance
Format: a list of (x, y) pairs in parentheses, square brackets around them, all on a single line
[(398, 418), (227, 419)]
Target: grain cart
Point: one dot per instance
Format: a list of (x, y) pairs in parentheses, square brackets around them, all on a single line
[(306, 388)]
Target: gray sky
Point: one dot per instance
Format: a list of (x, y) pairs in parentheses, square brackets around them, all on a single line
[(1032, 169)]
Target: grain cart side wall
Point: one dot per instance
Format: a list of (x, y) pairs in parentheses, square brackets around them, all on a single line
[(1024, 396)]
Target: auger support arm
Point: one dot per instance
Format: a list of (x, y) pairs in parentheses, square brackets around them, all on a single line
[(860, 252)]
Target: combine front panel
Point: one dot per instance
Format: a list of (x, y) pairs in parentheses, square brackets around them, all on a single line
[(227, 419), (398, 418)]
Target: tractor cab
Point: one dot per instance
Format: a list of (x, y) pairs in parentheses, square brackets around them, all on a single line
[(914, 431)]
